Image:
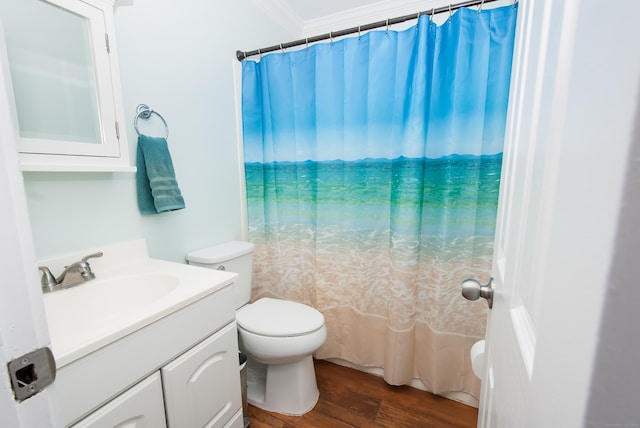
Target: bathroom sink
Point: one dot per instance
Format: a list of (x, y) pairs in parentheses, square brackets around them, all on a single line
[(103, 301), (130, 292), (139, 289)]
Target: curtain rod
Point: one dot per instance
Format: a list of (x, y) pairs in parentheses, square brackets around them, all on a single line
[(241, 55)]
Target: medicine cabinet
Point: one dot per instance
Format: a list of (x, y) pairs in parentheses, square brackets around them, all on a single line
[(64, 77)]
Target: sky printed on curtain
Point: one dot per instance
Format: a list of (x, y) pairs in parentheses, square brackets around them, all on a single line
[(356, 97)]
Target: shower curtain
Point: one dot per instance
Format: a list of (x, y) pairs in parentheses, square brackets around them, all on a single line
[(372, 172)]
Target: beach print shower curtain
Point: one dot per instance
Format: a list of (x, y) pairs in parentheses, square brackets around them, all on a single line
[(372, 172)]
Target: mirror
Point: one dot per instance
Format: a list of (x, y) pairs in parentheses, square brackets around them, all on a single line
[(52, 72)]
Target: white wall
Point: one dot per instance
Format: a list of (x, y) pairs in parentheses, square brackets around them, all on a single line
[(177, 57), (614, 394)]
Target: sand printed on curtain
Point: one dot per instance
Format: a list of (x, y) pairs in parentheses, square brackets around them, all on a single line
[(373, 169)]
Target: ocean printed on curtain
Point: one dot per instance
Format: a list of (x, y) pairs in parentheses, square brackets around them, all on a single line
[(373, 168)]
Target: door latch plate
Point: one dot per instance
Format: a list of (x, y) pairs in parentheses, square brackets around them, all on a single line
[(32, 372)]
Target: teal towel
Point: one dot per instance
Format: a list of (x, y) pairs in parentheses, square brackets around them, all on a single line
[(155, 179)]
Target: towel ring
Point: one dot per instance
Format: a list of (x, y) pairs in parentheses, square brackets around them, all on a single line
[(144, 111)]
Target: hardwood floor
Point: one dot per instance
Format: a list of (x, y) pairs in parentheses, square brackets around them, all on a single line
[(350, 398)]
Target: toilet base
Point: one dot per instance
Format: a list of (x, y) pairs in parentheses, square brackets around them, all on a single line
[(289, 389)]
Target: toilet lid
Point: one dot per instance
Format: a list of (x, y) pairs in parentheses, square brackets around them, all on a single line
[(275, 317)]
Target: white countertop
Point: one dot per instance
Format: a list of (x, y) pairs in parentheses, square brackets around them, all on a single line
[(130, 292)]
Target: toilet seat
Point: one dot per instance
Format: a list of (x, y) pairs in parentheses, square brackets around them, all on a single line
[(279, 318)]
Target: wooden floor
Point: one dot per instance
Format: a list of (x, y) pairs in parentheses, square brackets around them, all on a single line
[(350, 398)]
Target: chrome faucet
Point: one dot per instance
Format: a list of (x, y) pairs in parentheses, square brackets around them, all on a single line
[(74, 274)]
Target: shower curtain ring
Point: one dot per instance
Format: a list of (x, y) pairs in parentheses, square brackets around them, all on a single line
[(480, 7), (433, 12), (281, 48), (387, 25), (450, 13), (331, 36), (418, 19), (359, 35), (307, 42)]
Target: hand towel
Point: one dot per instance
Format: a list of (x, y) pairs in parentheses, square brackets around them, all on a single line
[(155, 179)]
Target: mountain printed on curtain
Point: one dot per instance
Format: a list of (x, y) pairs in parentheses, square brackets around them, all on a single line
[(372, 171)]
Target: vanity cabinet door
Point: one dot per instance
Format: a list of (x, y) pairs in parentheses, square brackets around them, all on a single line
[(139, 407), (202, 386)]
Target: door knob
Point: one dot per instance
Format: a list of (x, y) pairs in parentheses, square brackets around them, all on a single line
[(473, 290)]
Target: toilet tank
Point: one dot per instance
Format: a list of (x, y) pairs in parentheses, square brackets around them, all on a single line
[(233, 256)]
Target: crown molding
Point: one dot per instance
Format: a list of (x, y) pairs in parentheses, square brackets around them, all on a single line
[(284, 16), (281, 14), (367, 14)]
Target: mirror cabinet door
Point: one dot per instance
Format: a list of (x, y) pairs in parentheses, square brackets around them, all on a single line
[(61, 76)]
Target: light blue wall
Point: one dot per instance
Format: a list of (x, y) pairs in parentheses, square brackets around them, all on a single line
[(177, 57)]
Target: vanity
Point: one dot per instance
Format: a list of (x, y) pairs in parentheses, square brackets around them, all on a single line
[(148, 343)]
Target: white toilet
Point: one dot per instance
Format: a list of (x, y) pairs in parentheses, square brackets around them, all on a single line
[(278, 336)]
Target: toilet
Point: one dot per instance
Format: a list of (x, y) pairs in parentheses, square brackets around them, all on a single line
[(278, 336)]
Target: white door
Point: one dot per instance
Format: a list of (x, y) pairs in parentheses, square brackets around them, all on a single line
[(23, 326), (574, 95)]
